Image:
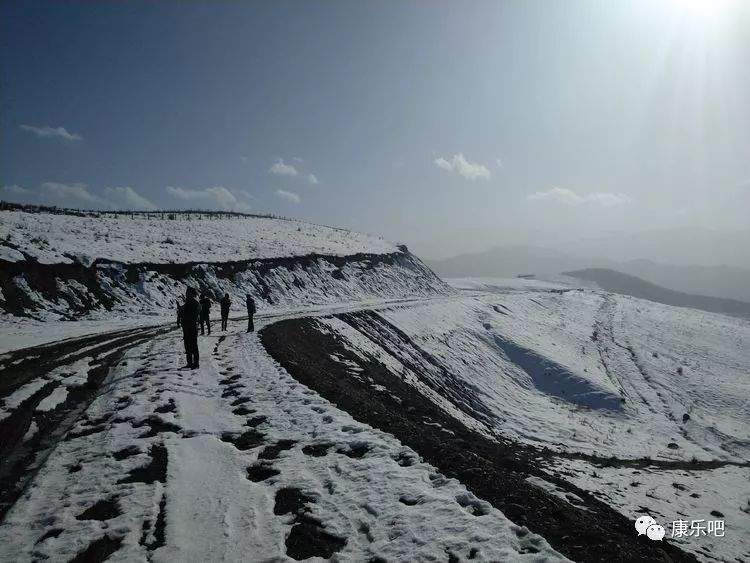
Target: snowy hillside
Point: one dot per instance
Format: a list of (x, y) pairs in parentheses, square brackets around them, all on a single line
[(62, 267), (64, 239), (587, 368)]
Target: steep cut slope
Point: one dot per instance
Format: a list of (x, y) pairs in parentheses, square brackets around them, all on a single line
[(60, 267)]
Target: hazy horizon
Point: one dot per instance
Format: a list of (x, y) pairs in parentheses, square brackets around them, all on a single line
[(451, 127), (677, 247)]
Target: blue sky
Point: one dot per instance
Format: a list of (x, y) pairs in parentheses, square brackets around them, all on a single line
[(452, 126)]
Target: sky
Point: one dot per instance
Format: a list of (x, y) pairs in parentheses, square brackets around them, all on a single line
[(450, 126)]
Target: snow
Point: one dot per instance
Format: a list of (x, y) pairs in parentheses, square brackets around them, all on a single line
[(552, 363), (116, 290), (547, 362), (673, 495), (53, 239), (532, 360), (554, 490), (22, 332), (380, 507), (71, 375), (21, 394), (31, 432), (10, 254), (504, 284), (58, 396)]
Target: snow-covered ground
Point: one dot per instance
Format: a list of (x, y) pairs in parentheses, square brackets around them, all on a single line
[(590, 368), (588, 372), (62, 239), (518, 284), (21, 332), (238, 457), (667, 496), (237, 460)]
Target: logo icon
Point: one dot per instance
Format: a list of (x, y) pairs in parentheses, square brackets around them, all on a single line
[(643, 523), (648, 526), (655, 532)]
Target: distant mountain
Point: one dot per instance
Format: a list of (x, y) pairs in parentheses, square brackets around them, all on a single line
[(715, 281), (508, 261), (617, 282), (686, 245), (727, 282)]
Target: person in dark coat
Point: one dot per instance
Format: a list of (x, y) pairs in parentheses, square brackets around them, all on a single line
[(225, 304), (250, 312), (179, 313), (189, 316), (205, 313)]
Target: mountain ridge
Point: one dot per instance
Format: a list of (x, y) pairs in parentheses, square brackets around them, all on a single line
[(625, 284)]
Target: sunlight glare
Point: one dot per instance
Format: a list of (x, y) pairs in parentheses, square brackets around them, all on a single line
[(702, 9)]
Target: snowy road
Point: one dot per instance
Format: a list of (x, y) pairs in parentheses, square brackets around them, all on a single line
[(238, 461)]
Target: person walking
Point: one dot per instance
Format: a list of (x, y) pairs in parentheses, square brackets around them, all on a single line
[(189, 316), (250, 312), (205, 313), (225, 304)]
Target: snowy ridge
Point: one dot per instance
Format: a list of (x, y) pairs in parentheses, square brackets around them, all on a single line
[(88, 268), (67, 239)]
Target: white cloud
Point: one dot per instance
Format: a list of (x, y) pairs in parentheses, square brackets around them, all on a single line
[(499, 162), (217, 197), (444, 164), (569, 197), (17, 194), (608, 199), (52, 132), (78, 196), (459, 164), (15, 189), (71, 195), (127, 198), (289, 196), (279, 168)]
